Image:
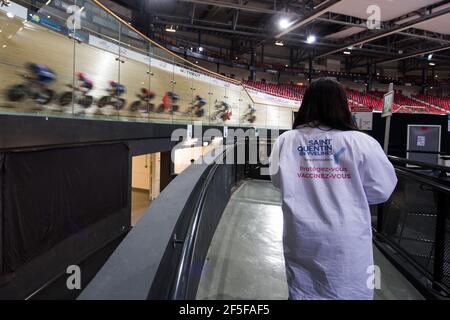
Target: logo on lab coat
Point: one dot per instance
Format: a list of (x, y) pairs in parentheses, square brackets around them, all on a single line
[(337, 156), (316, 147)]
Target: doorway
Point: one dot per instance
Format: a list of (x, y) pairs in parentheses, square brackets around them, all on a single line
[(145, 183)]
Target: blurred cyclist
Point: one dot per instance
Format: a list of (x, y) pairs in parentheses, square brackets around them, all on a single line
[(41, 74)]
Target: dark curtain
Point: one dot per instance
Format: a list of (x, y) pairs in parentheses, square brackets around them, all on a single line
[(49, 195)]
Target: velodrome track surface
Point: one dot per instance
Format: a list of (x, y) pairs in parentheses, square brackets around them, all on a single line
[(23, 42)]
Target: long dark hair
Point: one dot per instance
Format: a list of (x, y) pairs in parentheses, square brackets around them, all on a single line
[(325, 103)]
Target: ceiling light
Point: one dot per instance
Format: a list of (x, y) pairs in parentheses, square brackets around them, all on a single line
[(432, 64), (347, 52), (200, 49), (48, 2), (284, 23), (430, 56), (171, 29), (279, 43), (400, 51), (311, 39)]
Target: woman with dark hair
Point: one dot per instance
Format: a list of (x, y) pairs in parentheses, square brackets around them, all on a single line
[(329, 173)]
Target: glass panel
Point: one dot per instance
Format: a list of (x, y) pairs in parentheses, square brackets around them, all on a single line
[(183, 87), (251, 111), (36, 58), (233, 94), (286, 119), (103, 69), (273, 117), (162, 83), (97, 90), (220, 107), (135, 76), (201, 84)]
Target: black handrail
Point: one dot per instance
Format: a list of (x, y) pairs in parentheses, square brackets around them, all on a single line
[(180, 287), (424, 165)]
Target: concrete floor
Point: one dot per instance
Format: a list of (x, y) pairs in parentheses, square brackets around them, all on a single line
[(139, 204), (245, 260)]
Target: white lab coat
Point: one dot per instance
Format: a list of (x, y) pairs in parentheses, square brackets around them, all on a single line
[(328, 178)]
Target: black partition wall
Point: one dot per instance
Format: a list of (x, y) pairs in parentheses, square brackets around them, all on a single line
[(399, 127), (57, 206)]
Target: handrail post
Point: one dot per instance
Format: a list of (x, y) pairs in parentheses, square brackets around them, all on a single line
[(235, 164), (439, 249)]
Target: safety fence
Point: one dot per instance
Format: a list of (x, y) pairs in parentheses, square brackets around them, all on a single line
[(76, 58)]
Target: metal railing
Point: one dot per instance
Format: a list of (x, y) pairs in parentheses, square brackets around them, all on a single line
[(413, 227)]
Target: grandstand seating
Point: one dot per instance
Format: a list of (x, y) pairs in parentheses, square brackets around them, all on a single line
[(288, 91), (361, 101), (443, 102)]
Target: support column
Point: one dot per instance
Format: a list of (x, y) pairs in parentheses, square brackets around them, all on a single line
[(310, 71), (424, 80), (252, 63)]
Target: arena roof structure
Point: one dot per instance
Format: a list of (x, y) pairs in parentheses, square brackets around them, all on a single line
[(388, 31)]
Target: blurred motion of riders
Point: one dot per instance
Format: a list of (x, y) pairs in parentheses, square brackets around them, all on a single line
[(37, 78), (196, 107), (79, 92), (115, 91), (250, 114), (223, 111)]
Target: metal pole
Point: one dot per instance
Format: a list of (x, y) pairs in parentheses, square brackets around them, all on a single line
[(387, 132), (387, 129)]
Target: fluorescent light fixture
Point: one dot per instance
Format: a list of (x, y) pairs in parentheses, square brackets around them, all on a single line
[(284, 23), (347, 52), (311, 39), (432, 64), (171, 29), (48, 2), (279, 43)]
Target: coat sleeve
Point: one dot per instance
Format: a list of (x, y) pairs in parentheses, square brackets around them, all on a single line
[(274, 163), (377, 174)]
